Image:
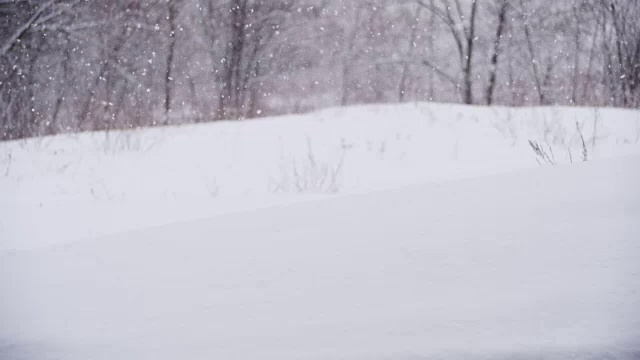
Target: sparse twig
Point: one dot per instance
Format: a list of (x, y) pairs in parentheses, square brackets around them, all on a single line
[(570, 155), (543, 154), (585, 153), (311, 175), (596, 117), (9, 157)]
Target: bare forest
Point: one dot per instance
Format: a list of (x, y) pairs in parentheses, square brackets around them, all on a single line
[(84, 65)]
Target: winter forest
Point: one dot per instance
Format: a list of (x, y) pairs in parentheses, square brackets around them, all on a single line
[(320, 179), (81, 65)]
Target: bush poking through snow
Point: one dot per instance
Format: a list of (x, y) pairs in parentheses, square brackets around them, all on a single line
[(544, 155), (310, 175), (8, 163), (585, 152)]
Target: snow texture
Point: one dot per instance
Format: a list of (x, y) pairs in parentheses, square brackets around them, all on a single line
[(86, 185), (440, 237), (536, 264)]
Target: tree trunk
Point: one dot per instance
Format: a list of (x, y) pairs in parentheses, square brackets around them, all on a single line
[(170, 56), (233, 61), (402, 88), (347, 47), (493, 70), (468, 67)]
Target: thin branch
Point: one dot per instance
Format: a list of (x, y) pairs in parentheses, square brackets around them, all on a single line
[(24, 28), (438, 12), (446, 76), (461, 17)]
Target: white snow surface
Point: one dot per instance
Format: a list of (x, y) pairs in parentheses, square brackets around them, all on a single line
[(72, 187), (409, 232), (538, 264)]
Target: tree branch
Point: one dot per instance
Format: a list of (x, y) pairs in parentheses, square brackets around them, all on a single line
[(24, 28), (444, 75)]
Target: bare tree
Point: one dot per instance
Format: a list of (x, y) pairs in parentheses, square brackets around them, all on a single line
[(172, 14), (532, 52), (402, 88), (75, 65), (502, 9), (241, 30), (349, 36), (623, 15), (462, 28)]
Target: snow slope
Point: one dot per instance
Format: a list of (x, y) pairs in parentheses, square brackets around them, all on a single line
[(537, 264), (72, 187)]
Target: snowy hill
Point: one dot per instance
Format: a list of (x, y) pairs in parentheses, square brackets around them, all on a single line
[(78, 186), (538, 264)]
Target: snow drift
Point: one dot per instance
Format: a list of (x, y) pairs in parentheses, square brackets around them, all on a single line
[(71, 187), (537, 264)]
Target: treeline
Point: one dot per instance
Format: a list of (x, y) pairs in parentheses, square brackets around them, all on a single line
[(79, 65)]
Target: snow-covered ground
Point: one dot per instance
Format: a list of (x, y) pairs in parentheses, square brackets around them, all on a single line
[(71, 187), (377, 232), (538, 264)]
